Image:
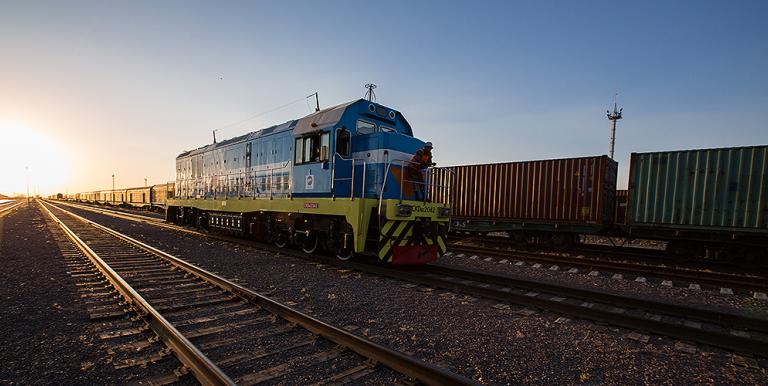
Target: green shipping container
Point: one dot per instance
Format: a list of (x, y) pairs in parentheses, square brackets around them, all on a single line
[(722, 189)]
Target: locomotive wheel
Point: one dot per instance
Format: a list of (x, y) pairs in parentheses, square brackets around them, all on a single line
[(309, 243), (344, 254), (281, 239), (200, 222)]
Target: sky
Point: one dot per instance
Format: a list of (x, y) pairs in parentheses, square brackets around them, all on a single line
[(92, 89)]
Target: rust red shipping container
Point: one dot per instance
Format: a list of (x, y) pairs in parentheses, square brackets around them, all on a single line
[(570, 190)]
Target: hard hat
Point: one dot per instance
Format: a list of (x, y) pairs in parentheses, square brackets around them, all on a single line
[(428, 144)]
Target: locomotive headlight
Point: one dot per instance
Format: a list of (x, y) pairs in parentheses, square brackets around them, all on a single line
[(444, 212), (404, 210)]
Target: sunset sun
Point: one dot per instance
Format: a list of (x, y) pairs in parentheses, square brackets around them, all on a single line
[(29, 155)]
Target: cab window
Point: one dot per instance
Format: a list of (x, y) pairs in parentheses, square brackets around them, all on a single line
[(342, 142), (325, 146), (299, 148), (365, 127), (313, 148), (387, 129)]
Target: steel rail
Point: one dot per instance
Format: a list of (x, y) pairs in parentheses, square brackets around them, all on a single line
[(133, 216), (6, 208), (752, 283), (201, 366), (402, 363), (727, 341), (742, 321)]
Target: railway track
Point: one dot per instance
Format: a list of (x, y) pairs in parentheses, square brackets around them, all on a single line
[(670, 274), (736, 332), (224, 333), (685, 276), (8, 206)]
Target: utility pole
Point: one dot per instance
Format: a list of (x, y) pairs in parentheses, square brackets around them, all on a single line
[(27, 168), (113, 189), (613, 117), (370, 95)]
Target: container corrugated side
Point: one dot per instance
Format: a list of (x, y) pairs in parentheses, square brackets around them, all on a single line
[(721, 188), (570, 190)]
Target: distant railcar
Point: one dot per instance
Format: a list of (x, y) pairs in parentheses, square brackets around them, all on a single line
[(161, 193), (546, 201), (139, 197)]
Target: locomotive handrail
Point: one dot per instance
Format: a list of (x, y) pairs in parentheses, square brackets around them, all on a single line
[(429, 170), (446, 187), (402, 180), (352, 178), (383, 185)]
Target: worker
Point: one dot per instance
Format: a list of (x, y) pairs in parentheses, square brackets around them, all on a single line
[(420, 161)]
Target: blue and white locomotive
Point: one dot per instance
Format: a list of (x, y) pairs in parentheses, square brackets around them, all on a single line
[(337, 179)]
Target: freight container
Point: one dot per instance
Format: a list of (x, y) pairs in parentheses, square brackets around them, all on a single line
[(545, 200), (706, 201)]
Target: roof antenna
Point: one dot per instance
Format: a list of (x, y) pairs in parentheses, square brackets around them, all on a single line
[(214, 135), (317, 101), (613, 117), (370, 95)]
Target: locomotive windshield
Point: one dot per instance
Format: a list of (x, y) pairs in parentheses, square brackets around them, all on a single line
[(365, 127)]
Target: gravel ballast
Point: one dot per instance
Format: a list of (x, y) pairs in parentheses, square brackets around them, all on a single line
[(48, 337), (474, 337), (651, 290)]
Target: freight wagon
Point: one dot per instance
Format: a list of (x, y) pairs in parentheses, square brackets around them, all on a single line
[(138, 197), (542, 202), (710, 203), (149, 197), (161, 193)]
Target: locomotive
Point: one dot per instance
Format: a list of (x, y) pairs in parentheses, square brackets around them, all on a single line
[(339, 179)]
